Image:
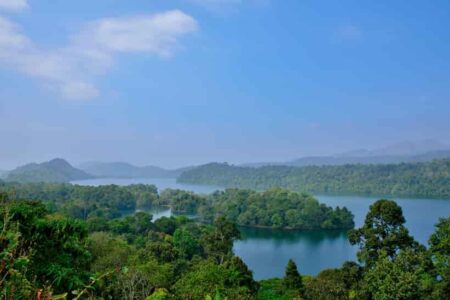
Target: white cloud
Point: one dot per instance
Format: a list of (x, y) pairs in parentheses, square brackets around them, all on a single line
[(10, 38), (157, 34), (72, 69), (13, 5)]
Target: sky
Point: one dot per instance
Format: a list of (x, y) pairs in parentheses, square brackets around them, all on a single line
[(183, 82)]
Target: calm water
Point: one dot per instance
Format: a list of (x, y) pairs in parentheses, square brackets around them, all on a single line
[(266, 252)]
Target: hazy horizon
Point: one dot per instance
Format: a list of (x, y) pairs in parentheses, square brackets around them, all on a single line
[(174, 83), (415, 148)]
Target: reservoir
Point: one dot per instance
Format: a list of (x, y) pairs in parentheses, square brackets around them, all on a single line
[(266, 251)]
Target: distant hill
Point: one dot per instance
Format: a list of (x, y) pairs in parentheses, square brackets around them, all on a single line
[(3, 173), (377, 159), (424, 179), (56, 170), (126, 170), (403, 152), (405, 148)]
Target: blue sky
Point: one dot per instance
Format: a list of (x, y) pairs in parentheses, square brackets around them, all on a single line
[(180, 82)]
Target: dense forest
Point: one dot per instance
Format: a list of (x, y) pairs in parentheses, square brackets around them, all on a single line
[(85, 202), (50, 255), (427, 180), (275, 208)]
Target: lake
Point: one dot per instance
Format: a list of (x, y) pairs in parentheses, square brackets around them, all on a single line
[(266, 252)]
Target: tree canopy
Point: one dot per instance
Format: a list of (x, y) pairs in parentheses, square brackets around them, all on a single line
[(426, 180), (56, 256)]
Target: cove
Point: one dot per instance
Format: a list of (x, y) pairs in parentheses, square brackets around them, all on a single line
[(267, 252)]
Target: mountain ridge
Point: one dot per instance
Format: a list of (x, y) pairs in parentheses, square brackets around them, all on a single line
[(127, 170), (55, 170), (406, 151)]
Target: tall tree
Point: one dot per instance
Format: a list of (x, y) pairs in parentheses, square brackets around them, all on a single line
[(383, 230), (292, 279), (219, 242), (14, 260), (185, 243), (440, 254), (405, 277), (240, 274), (57, 246)]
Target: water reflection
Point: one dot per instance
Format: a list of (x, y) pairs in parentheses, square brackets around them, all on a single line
[(267, 251), (291, 236)]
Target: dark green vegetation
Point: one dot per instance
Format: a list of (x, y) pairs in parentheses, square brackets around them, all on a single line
[(427, 180), (126, 170), (391, 265), (275, 208), (50, 253), (128, 258), (85, 202), (73, 256), (56, 170)]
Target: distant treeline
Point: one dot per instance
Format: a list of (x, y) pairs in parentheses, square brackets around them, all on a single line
[(428, 179), (83, 202), (276, 208)]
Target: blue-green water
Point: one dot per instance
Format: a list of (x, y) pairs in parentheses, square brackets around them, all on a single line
[(266, 252)]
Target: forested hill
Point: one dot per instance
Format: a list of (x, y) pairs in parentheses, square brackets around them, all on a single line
[(427, 179), (56, 170), (126, 170)]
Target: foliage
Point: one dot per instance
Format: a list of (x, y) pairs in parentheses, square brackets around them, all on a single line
[(14, 261), (186, 244), (176, 258), (159, 294), (219, 241), (426, 180), (325, 288), (383, 230), (440, 254), (84, 202), (276, 208), (208, 277), (52, 248), (405, 277), (335, 283), (292, 279), (181, 201)]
